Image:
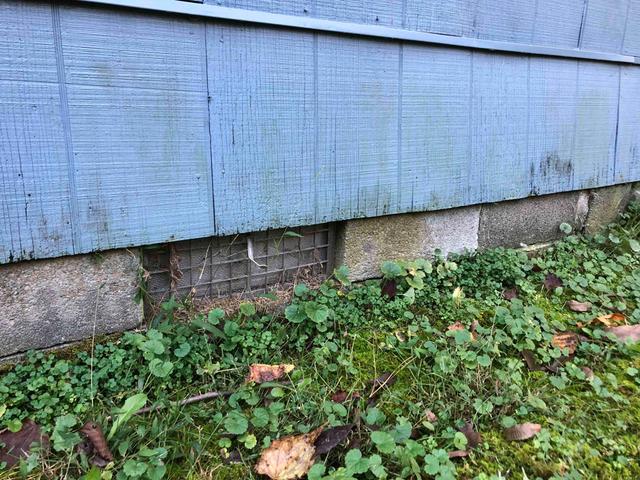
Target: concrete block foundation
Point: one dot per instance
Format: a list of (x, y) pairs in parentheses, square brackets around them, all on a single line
[(47, 303), (50, 303), (364, 244)]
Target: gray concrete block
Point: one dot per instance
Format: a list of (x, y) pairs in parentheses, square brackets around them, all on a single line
[(531, 220), (46, 303), (605, 205), (364, 244)]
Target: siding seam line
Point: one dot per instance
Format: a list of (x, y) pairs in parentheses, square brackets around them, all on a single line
[(583, 21), (316, 133), (211, 163), (399, 137), (615, 141), (66, 127)]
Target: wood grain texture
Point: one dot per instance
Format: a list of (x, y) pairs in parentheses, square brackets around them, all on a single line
[(595, 124), (552, 113), (628, 144), (357, 126), (499, 126), (599, 25), (455, 17), (604, 25), (119, 128), (35, 215), (261, 83), (137, 101), (436, 134), (631, 40)]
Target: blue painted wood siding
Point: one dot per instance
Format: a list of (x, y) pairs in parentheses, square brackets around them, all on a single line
[(121, 127)]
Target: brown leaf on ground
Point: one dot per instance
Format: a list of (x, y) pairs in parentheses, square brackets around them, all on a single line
[(552, 281), (530, 360), (611, 320), (458, 454), (580, 307), (388, 288), (510, 293), (473, 437), (588, 373), (568, 340), (456, 326), (626, 332), (385, 380), (289, 457), (432, 417), (17, 445), (341, 396), (260, 372), (522, 431), (94, 434), (331, 438)]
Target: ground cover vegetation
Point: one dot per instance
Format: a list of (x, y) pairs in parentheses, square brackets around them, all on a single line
[(489, 365)]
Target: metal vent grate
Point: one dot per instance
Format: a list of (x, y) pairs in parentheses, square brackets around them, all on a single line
[(220, 266)]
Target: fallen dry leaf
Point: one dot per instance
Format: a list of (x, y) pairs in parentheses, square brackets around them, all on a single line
[(260, 372), (459, 326), (611, 320), (94, 434), (522, 431), (530, 360), (341, 396), (588, 373), (289, 457), (568, 340), (331, 438), (626, 332), (473, 437), (510, 293), (458, 454), (456, 326), (388, 288), (552, 281), (576, 306), (16, 445)]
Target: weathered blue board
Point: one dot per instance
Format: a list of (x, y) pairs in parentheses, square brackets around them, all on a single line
[(121, 127)]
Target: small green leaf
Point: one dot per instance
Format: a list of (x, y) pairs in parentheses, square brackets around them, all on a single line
[(160, 368), (260, 417), (14, 425), (247, 309), (566, 228), (483, 360), (250, 441), (133, 468), (634, 245), (300, 290), (292, 234), (93, 474), (295, 314), (384, 441), (236, 423), (342, 275), (183, 350), (316, 472), (316, 312), (130, 407), (64, 437), (392, 269), (215, 316)]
